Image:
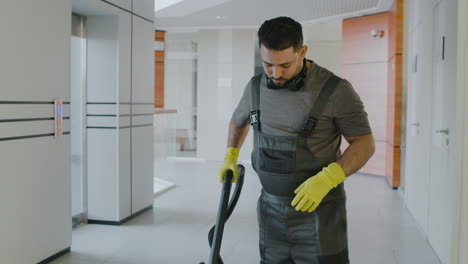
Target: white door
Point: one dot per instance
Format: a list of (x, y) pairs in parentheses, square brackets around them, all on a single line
[(418, 134), (440, 197)]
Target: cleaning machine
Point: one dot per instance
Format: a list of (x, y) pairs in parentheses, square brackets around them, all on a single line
[(224, 212)]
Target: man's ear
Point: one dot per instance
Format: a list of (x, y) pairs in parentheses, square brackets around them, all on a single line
[(303, 51)]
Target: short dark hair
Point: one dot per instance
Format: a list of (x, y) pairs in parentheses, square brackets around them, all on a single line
[(280, 33)]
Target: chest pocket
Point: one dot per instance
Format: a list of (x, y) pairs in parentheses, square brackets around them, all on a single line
[(277, 161)]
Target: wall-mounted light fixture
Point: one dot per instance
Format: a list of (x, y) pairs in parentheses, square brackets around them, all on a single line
[(377, 33)]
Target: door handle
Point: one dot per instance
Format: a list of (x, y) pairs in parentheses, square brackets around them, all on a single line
[(415, 124), (443, 131)]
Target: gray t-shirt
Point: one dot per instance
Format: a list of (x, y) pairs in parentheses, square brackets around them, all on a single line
[(283, 112)]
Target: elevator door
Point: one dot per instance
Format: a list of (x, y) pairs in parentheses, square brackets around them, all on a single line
[(78, 119)]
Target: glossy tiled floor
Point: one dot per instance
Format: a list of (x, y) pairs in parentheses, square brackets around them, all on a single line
[(381, 230)]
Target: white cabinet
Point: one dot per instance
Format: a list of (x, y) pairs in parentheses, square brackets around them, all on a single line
[(142, 61), (142, 168), (102, 42), (144, 8), (142, 114), (120, 146), (120, 130), (124, 167), (125, 59), (124, 99), (108, 151), (102, 171)]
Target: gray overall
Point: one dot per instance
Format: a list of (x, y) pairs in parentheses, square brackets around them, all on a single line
[(282, 164)]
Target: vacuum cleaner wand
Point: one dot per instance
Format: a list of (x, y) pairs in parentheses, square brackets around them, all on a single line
[(224, 212)]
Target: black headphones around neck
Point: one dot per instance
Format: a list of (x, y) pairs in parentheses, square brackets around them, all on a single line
[(293, 84)]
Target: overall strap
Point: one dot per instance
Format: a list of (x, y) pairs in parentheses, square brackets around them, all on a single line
[(255, 113), (319, 105)]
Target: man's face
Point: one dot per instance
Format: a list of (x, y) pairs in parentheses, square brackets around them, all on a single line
[(282, 65)]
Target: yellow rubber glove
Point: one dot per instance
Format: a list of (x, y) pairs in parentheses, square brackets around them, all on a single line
[(230, 163), (311, 192)]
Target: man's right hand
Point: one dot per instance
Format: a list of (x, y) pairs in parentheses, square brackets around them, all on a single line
[(230, 163)]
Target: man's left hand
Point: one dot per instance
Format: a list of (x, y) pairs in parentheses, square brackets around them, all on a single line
[(311, 192)]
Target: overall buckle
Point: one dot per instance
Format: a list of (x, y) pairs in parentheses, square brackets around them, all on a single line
[(254, 117), (308, 126)]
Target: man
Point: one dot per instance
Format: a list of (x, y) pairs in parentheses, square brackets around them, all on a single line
[(299, 111)]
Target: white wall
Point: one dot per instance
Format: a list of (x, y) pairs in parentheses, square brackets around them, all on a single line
[(460, 232), (324, 42), (431, 197), (454, 247), (180, 80), (225, 65), (35, 194)]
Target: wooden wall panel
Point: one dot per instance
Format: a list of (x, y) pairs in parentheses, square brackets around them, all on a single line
[(159, 56), (392, 168), (365, 66), (394, 96), (395, 29), (374, 66), (159, 79), (370, 82), (160, 36), (394, 100), (358, 45)]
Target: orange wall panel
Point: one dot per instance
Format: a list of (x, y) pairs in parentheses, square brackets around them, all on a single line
[(392, 168), (374, 66), (160, 35), (398, 7), (358, 45), (392, 47), (394, 103), (159, 57), (370, 82), (395, 29), (365, 65), (394, 100)]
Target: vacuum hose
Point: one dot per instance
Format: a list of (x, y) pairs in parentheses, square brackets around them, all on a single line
[(224, 212)]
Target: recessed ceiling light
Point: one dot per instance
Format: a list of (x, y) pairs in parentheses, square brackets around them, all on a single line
[(221, 17)]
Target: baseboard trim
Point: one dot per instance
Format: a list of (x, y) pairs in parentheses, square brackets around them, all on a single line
[(55, 256), (116, 223)]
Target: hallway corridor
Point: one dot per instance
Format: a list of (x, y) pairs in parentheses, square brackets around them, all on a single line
[(381, 230)]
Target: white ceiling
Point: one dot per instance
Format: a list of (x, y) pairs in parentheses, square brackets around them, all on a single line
[(251, 13)]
